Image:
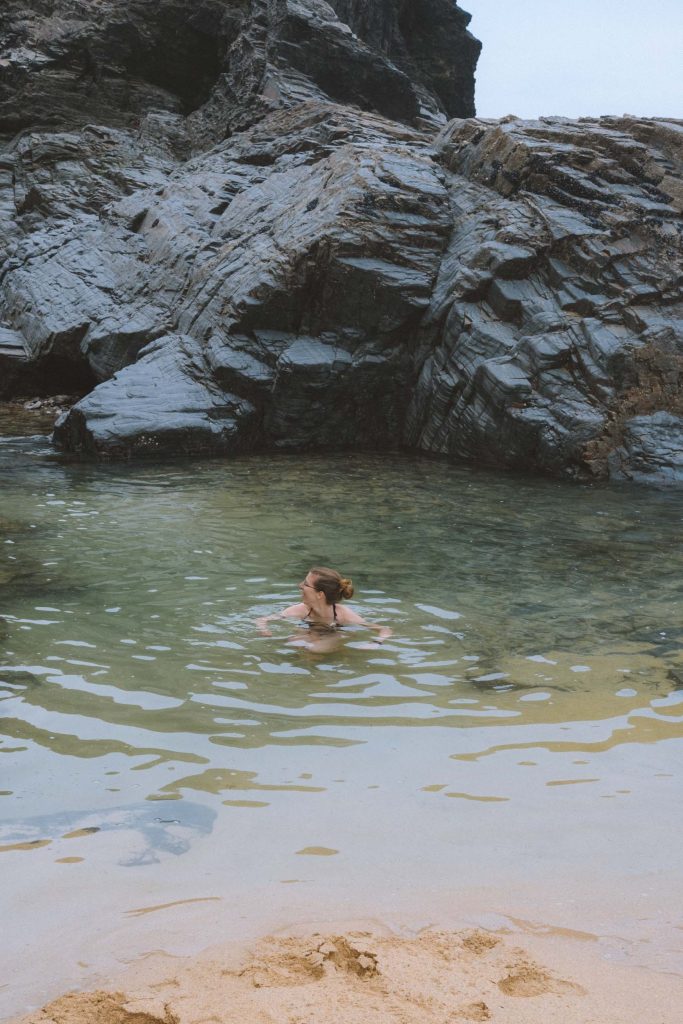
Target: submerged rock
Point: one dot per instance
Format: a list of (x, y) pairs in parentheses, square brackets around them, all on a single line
[(243, 226)]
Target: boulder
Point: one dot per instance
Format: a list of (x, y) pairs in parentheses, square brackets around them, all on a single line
[(166, 404)]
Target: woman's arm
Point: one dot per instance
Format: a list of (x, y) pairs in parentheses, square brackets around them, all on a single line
[(295, 611), (347, 617)]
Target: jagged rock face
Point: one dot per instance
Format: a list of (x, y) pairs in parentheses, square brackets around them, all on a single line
[(293, 273), (427, 39), (555, 334), (65, 63), (229, 260)]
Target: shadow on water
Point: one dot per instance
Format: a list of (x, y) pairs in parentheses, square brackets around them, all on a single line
[(151, 835)]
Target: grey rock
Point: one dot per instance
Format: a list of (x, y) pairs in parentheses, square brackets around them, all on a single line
[(336, 254), (236, 368), (165, 404), (241, 225), (227, 63), (590, 317), (15, 370), (651, 450)]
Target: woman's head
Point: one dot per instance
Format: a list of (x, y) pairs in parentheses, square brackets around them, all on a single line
[(327, 582)]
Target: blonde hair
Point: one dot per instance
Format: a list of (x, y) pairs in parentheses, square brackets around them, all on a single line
[(331, 584)]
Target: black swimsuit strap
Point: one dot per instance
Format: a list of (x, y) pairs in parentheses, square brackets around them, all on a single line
[(334, 614)]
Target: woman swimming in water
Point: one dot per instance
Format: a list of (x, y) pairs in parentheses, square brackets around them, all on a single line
[(320, 608)]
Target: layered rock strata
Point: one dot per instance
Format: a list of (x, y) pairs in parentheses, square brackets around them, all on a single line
[(554, 338), (290, 246)]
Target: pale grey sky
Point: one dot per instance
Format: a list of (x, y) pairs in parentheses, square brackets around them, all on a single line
[(578, 57)]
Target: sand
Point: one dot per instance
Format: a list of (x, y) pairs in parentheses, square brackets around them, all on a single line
[(375, 977)]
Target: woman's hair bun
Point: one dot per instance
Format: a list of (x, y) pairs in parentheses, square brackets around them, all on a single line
[(331, 584)]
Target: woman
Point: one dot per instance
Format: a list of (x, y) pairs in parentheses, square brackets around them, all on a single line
[(321, 610)]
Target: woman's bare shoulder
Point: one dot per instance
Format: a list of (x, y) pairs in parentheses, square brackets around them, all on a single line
[(346, 615)]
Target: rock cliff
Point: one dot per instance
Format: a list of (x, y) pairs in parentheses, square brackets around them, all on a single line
[(244, 224)]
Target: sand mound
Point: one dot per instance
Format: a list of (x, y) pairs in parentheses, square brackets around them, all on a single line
[(356, 978)]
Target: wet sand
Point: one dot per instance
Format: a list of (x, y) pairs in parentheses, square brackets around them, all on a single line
[(367, 975)]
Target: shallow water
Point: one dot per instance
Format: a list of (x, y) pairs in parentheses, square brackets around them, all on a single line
[(522, 728)]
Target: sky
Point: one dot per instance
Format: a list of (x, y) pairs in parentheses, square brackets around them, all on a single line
[(578, 57)]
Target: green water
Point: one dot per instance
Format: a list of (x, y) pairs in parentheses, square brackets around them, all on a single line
[(531, 688)]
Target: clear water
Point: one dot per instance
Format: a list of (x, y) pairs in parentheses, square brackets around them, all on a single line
[(522, 728)]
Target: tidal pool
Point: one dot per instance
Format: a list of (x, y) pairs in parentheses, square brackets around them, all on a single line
[(169, 777)]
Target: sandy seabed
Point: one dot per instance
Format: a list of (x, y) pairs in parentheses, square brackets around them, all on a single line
[(360, 976)]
